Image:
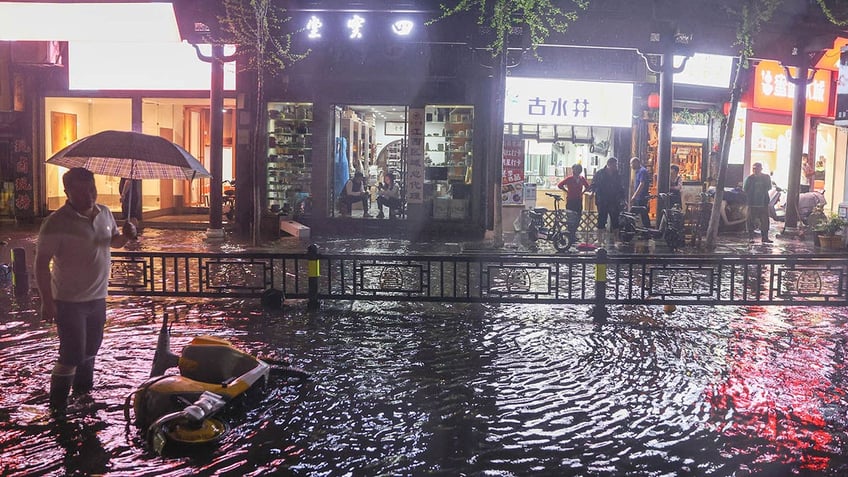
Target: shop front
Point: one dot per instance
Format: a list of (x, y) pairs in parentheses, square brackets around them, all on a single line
[(551, 125), (767, 129), (398, 110), (122, 89)]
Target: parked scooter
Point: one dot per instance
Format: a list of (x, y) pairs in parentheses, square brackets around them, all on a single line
[(562, 233), (670, 225)]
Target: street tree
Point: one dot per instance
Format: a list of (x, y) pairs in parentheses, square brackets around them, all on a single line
[(262, 33)]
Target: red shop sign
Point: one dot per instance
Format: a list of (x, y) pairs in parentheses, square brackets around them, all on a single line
[(773, 90)]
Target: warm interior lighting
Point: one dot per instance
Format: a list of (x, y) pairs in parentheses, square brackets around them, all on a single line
[(114, 22)]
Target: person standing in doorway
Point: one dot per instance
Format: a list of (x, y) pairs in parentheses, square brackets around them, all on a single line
[(808, 174), (609, 194), (574, 186), (641, 186), (76, 238), (130, 200), (757, 187), (675, 187)]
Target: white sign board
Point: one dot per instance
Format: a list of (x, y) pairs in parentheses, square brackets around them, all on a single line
[(578, 103)]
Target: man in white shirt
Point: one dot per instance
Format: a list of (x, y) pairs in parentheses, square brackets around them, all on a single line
[(76, 238)]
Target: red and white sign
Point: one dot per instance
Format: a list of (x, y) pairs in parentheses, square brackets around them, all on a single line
[(774, 91), (513, 171)]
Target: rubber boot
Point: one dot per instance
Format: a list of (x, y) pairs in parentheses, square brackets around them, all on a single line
[(60, 386), (84, 377)]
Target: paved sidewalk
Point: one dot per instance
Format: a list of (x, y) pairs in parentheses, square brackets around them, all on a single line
[(24, 235)]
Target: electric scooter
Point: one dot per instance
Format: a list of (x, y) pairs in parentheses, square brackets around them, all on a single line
[(670, 225), (181, 409), (563, 231)]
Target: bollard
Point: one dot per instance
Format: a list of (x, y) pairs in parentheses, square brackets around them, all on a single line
[(20, 277), (599, 310), (314, 273)]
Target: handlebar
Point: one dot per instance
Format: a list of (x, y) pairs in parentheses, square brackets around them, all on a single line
[(556, 197)]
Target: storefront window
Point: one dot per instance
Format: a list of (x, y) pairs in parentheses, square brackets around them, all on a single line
[(69, 119), (448, 160), (289, 157)]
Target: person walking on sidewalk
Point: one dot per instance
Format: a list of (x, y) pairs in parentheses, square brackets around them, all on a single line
[(756, 188), (76, 238), (609, 194)]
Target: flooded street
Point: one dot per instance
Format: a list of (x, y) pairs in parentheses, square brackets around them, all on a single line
[(458, 390), (430, 389)]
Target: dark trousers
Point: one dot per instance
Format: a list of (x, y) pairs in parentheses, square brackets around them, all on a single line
[(80, 328), (611, 210), (758, 213), (348, 200), (575, 205), (390, 202), (643, 213), (803, 188)]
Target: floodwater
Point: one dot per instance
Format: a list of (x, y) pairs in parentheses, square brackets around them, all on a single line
[(429, 389), (411, 389)]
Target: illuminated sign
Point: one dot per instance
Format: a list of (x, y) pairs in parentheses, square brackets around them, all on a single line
[(842, 90), (355, 26), (705, 70), (773, 90), (313, 27), (580, 103), (402, 27)]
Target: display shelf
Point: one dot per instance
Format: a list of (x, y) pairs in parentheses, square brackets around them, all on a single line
[(449, 153), (289, 165)]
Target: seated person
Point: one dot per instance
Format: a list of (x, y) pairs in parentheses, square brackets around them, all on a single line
[(733, 215), (354, 191), (388, 195)]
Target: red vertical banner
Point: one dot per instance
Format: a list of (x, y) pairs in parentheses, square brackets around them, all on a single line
[(512, 192)]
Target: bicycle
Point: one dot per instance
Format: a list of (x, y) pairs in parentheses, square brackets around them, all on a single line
[(670, 224), (562, 232)]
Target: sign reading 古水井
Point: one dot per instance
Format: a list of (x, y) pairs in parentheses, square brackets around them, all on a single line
[(578, 103)]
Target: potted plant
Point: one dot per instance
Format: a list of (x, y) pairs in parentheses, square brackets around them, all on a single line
[(830, 236)]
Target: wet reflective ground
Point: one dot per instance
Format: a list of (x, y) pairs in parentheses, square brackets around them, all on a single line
[(458, 390)]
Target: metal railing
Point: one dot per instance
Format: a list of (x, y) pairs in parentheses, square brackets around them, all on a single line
[(818, 280)]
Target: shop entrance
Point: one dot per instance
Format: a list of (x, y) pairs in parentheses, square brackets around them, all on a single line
[(370, 140), (184, 121)]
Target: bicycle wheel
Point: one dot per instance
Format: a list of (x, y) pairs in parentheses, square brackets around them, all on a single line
[(562, 241)]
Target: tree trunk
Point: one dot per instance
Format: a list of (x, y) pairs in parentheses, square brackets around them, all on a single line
[(715, 216)]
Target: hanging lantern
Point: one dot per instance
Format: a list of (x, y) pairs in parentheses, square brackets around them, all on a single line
[(654, 100), (726, 108)]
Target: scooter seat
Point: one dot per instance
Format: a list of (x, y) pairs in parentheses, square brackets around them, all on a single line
[(214, 361)]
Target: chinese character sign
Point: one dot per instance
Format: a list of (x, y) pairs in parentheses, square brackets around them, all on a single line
[(773, 90), (842, 90), (513, 171), (415, 161), (579, 103), (22, 159)]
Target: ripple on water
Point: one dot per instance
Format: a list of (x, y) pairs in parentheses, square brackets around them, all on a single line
[(402, 389)]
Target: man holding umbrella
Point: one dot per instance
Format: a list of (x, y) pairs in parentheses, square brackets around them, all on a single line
[(77, 239)]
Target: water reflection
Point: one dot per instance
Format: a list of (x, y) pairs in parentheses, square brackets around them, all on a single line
[(410, 389)]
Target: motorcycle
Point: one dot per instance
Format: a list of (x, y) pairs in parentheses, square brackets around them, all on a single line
[(182, 409)]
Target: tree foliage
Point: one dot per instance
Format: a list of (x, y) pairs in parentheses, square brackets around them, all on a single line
[(541, 17), (259, 28)]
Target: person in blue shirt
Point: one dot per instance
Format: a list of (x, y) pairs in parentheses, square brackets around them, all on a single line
[(641, 185)]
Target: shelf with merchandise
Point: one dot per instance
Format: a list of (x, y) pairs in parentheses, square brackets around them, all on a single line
[(289, 157)]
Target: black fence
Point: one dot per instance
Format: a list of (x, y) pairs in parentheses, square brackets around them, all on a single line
[(494, 278)]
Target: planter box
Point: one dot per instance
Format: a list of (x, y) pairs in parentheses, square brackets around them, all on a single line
[(831, 242)]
